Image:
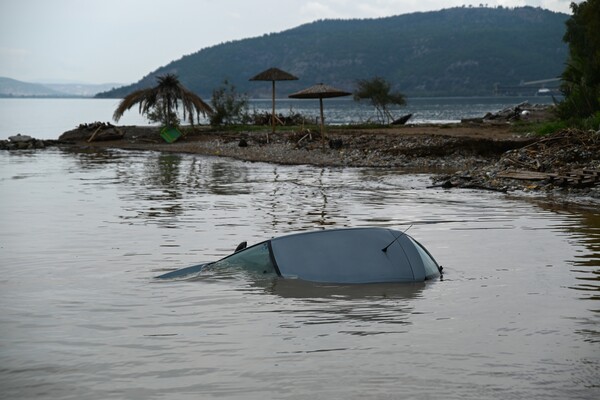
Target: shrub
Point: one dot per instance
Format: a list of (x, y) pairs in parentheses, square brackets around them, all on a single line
[(229, 106)]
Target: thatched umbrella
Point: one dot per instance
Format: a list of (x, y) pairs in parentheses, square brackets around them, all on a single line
[(274, 74), (320, 92), (166, 95)]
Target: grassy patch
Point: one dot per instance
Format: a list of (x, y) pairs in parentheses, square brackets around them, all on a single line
[(549, 127), (592, 122), (556, 125)]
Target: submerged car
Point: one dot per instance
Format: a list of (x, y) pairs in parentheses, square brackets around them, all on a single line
[(351, 255)]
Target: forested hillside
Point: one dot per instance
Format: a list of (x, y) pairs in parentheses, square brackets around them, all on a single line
[(453, 52)]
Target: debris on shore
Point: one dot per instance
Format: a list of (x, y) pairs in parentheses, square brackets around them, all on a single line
[(89, 132), (25, 142), (521, 112), (95, 131), (567, 160)]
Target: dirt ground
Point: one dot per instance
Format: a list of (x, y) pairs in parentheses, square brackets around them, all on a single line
[(435, 146)]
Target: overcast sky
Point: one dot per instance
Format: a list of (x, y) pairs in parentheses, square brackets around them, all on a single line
[(120, 41)]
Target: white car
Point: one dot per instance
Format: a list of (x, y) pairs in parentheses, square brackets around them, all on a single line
[(351, 255)]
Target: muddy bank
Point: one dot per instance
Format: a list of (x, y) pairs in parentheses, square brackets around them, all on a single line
[(435, 147), (445, 147)]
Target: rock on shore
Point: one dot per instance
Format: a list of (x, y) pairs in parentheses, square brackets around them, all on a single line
[(25, 142), (521, 112)]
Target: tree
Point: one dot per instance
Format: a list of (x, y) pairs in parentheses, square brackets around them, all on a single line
[(162, 101), (581, 77), (230, 106), (378, 91)]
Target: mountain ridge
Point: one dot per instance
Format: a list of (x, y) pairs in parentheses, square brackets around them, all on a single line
[(10, 88), (14, 88), (452, 52)]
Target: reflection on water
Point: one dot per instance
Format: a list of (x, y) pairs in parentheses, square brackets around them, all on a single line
[(586, 263), (584, 232), (83, 234)]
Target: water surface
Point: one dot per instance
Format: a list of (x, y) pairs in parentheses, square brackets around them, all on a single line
[(49, 118), (83, 235)]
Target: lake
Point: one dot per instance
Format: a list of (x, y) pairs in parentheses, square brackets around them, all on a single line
[(49, 118), (515, 316)]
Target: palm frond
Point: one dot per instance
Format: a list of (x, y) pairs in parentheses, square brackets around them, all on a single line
[(168, 93), (129, 101)]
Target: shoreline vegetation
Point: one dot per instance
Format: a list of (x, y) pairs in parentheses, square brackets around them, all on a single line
[(489, 153)]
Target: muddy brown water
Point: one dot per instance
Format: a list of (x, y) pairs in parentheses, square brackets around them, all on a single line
[(83, 234)]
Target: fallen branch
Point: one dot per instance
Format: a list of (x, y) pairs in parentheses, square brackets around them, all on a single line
[(94, 134)]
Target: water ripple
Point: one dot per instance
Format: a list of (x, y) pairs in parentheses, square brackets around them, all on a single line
[(83, 235)]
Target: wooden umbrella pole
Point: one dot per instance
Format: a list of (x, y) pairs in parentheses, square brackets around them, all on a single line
[(322, 122), (273, 115)]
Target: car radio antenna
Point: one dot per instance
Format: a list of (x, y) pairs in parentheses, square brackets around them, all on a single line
[(386, 247)]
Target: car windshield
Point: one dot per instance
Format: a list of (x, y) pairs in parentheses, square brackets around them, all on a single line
[(256, 258), (431, 267)]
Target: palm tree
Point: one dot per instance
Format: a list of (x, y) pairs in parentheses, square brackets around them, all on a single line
[(164, 100)]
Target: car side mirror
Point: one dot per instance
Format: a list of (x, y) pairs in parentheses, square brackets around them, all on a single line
[(241, 246)]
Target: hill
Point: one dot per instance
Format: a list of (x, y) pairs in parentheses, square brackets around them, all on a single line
[(453, 52), (14, 88), (82, 89)]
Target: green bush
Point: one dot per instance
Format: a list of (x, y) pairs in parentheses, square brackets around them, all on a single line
[(550, 127), (546, 128), (158, 114), (591, 123), (229, 106)]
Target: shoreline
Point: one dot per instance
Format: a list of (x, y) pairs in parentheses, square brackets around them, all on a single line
[(441, 147), (469, 155)]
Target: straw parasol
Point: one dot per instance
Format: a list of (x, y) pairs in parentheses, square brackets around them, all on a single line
[(274, 74), (320, 92)]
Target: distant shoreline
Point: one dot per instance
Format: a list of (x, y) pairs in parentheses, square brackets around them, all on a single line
[(46, 97)]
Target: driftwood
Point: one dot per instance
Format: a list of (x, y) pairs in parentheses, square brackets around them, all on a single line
[(91, 139), (112, 133), (448, 184), (524, 175), (577, 178)]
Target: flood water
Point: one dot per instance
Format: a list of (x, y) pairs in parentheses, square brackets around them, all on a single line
[(516, 315)]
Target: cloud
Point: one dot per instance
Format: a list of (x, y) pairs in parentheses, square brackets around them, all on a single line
[(320, 9), (11, 53), (12, 61), (317, 10)]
